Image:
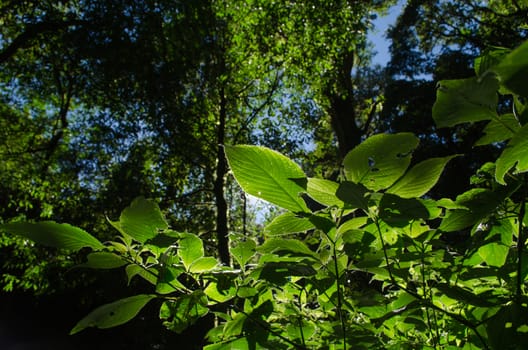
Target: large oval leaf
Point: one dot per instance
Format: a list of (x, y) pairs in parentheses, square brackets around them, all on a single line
[(114, 314), (380, 160), (324, 192), (513, 70), (465, 100), (420, 179), (52, 234), (288, 223), (190, 249), (142, 220), (268, 175), (514, 155)]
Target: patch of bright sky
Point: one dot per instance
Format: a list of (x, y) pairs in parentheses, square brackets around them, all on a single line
[(378, 36)]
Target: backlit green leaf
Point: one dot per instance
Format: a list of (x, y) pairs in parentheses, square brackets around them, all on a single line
[(288, 223), (103, 260), (268, 175), (190, 249), (494, 254), (181, 313), (114, 314), (380, 160), (499, 129), (243, 251), (52, 234), (324, 192), (420, 179), (286, 246), (465, 100), (203, 264), (515, 155), (142, 220)]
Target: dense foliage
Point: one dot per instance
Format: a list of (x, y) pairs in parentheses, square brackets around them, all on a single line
[(375, 264)]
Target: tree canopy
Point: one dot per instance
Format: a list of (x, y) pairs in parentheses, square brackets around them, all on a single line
[(105, 102)]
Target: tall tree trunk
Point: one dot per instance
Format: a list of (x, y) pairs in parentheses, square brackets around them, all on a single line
[(342, 108), (219, 184)]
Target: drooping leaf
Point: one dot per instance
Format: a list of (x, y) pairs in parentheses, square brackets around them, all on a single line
[(499, 129), (190, 249), (465, 100), (53, 234), (288, 223), (420, 179), (380, 160), (244, 251), (515, 155), (324, 192), (114, 314), (142, 220), (103, 260), (268, 175), (513, 70)]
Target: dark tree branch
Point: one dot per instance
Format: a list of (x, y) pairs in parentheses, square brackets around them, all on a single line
[(31, 32)]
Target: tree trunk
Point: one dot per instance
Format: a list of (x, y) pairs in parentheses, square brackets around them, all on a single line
[(342, 109), (219, 184)]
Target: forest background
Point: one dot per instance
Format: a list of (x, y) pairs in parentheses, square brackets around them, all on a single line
[(104, 101)]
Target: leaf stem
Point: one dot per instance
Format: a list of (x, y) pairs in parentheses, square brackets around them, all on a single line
[(520, 248)]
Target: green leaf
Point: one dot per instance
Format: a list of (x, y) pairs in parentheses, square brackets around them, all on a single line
[(400, 212), (114, 314), (179, 314), (149, 274), (236, 344), (268, 175), (509, 323), (354, 195), (219, 295), (288, 246), (465, 100), (190, 249), (167, 281), (288, 223), (513, 70), (499, 129), (494, 254), (462, 295), (52, 234), (103, 260), (203, 264), (244, 251), (489, 60), (324, 192), (380, 160), (420, 179), (142, 220), (514, 155)]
